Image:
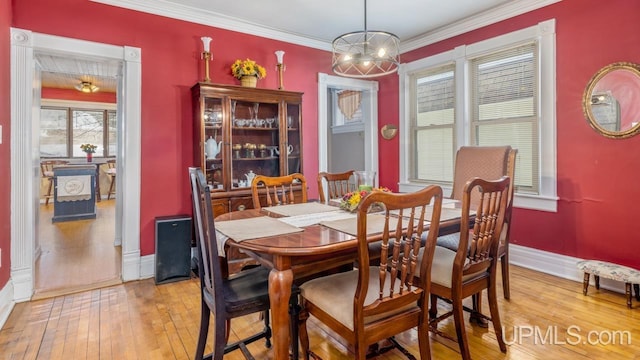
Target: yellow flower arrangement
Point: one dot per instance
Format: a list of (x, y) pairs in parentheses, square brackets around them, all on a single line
[(351, 200), (88, 148), (247, 67)]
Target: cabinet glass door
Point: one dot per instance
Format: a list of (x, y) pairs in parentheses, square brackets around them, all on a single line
[(213, 153), (294, 163), (254, 141)]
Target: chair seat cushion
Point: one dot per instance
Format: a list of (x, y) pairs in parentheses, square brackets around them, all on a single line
[(442, 267), (449, 241), (247, 289), (610, 271), (334, 295)]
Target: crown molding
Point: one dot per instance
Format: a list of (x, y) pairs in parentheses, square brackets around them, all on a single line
[(488, 17), (210, 18)]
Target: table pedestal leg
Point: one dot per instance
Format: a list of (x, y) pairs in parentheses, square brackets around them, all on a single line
[(279, 292)]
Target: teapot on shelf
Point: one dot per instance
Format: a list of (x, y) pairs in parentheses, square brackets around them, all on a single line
[(212, 148), (289, 150), (250, 175)]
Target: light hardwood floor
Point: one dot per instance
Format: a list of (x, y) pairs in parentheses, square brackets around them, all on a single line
[(77, 255), (141, 320)]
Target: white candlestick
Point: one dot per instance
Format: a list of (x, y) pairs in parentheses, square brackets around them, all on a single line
[(279, 56), (206, 41)]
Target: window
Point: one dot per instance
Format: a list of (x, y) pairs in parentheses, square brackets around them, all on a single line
[(63, 130), (483, 94), (433, 114), (504, 97)]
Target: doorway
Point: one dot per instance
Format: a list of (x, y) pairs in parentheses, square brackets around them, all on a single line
[(25, 169), (332, 139)]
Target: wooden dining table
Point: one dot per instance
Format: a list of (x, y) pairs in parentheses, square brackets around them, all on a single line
[(301, 255)]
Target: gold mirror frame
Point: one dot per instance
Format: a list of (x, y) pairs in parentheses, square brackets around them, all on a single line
[(610, 100)]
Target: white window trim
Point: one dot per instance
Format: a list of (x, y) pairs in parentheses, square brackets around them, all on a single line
[(544, 33)]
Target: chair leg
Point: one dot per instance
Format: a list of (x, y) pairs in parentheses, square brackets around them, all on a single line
[(597, 279), (294, 313), (433, 310), (302, 331), (46, 199), (110, 189), (476, 313), (221, 338), (495, 314), (458, 318), (423, 341), (204, 329), (267, 330), (504, 265), (636, 288), (627, 291)]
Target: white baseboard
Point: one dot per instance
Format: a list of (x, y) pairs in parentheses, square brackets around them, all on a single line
[(555, 264), (6, 302), (147, 266)]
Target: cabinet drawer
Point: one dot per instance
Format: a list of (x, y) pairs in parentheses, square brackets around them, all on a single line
[(220, 206), (241, 203)]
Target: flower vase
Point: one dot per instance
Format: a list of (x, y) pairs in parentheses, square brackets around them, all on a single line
[(249, 81), (89, 157)]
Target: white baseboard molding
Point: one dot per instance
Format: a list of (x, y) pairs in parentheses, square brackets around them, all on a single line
[(6, 302), (147, 266), (556, 264)]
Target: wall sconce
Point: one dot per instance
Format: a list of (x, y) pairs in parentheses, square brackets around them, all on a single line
[(389, 131), (87, 87), (280, 67), (206, 56)]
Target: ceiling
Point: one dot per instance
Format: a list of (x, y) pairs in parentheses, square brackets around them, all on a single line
[(309, 23)]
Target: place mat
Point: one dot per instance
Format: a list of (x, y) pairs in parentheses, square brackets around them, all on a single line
[(258, 227), (445, 213), (313, 219), (375, 224), (300, 209)]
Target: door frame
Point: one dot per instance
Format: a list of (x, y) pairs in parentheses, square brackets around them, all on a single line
[(25, 168), (325, 82)]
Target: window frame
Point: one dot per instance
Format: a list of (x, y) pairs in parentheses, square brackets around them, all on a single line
[(69, 107), (544, 34)]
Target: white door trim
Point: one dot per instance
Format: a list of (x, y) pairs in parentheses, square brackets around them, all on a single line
[(24, 156), (326, 82)]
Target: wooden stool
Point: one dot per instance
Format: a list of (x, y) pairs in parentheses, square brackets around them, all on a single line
[(611, 271)]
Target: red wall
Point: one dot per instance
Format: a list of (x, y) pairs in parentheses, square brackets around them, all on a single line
[(5, 147), (171, 65), (596, 175)]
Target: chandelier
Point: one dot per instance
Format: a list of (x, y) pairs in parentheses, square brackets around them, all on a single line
[(87, 87), (366, 53)]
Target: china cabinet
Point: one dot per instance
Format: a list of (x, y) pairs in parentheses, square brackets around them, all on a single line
[(241, 132)]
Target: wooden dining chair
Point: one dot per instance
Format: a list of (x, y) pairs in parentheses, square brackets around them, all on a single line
[(338, 184), (111, 172), (373, 303), (456, 275), (46, 171), (278, 190), (486, 162), (225, 296)]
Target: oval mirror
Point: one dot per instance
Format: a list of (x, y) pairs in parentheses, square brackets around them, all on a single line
[(611, 101)]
